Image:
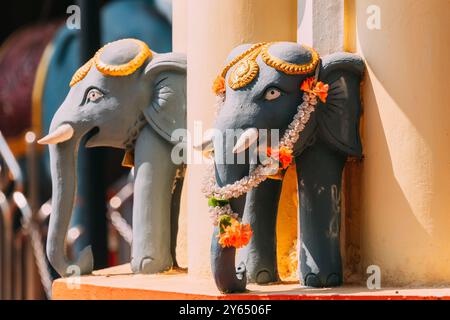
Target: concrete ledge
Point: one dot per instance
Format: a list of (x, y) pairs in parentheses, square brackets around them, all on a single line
[(118, 283)]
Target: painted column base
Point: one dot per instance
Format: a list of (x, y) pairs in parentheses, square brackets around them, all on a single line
[(118, 283)]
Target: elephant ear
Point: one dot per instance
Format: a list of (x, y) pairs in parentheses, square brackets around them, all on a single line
[(338, 118), (166, 110)]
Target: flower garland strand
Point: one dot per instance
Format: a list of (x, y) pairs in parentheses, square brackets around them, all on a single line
[(231, 232)]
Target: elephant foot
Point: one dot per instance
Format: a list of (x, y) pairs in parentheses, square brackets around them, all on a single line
[(322, 281), (148, 265), (264, 277)]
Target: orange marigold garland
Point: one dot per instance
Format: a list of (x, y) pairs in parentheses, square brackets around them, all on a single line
[(232, 233), (283, 155), (317, 88), (219, 85)]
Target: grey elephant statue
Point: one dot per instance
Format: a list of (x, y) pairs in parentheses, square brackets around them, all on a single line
[(131, 98), (313, 104)]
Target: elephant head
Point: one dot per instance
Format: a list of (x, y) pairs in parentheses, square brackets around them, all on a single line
[(124, 87), (261, 89)]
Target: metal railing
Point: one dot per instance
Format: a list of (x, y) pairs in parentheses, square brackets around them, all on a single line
[(24, 273), (24, 269)]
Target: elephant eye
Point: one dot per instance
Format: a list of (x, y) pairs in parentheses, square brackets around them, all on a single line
[(272, 94), (93, 95)]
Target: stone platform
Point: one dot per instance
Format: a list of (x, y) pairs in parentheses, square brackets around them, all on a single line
[(118, 283)]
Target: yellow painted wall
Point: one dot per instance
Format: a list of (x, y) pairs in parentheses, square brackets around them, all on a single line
[(287, 225), (405, 208)]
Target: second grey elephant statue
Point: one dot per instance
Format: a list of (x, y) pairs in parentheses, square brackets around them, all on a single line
[(131, 98), (314, 103)]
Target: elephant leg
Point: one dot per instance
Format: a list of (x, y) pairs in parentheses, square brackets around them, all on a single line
[(260, 255), (154, 173), (319, 172)]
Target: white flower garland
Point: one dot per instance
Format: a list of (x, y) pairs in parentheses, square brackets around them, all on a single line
[(262, 171), (216, 212)]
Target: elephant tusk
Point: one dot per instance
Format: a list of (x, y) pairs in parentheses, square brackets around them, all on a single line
[(208, 153), (206, 149), (249, 137), (63, 133), (206, 146)]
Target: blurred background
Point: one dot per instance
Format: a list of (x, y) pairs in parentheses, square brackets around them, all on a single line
[(43, 42)]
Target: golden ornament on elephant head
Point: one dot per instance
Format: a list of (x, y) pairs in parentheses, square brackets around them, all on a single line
[(243, 73), (122, 69), (81, 72), (287, 67), (244, 67)]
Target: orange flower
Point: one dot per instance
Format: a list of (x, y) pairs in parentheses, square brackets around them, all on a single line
[(308, 84), (234, 234), (284, 155), (319, 89), (219, 85)]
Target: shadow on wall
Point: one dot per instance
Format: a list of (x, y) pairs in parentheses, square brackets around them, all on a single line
[(404, 207)]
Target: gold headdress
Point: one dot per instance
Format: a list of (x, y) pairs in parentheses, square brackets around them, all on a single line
[(81, 72), (111, 69), (290, 68), (245, 66)]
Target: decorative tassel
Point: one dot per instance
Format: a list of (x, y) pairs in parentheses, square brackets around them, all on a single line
[(128, 159)]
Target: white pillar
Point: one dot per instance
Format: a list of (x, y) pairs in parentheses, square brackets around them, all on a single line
[(321, 25), (179, 44), (179, 25), (406, 176)]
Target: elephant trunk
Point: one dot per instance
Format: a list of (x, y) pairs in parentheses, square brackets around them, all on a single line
[(63, 157), (228, 278)]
